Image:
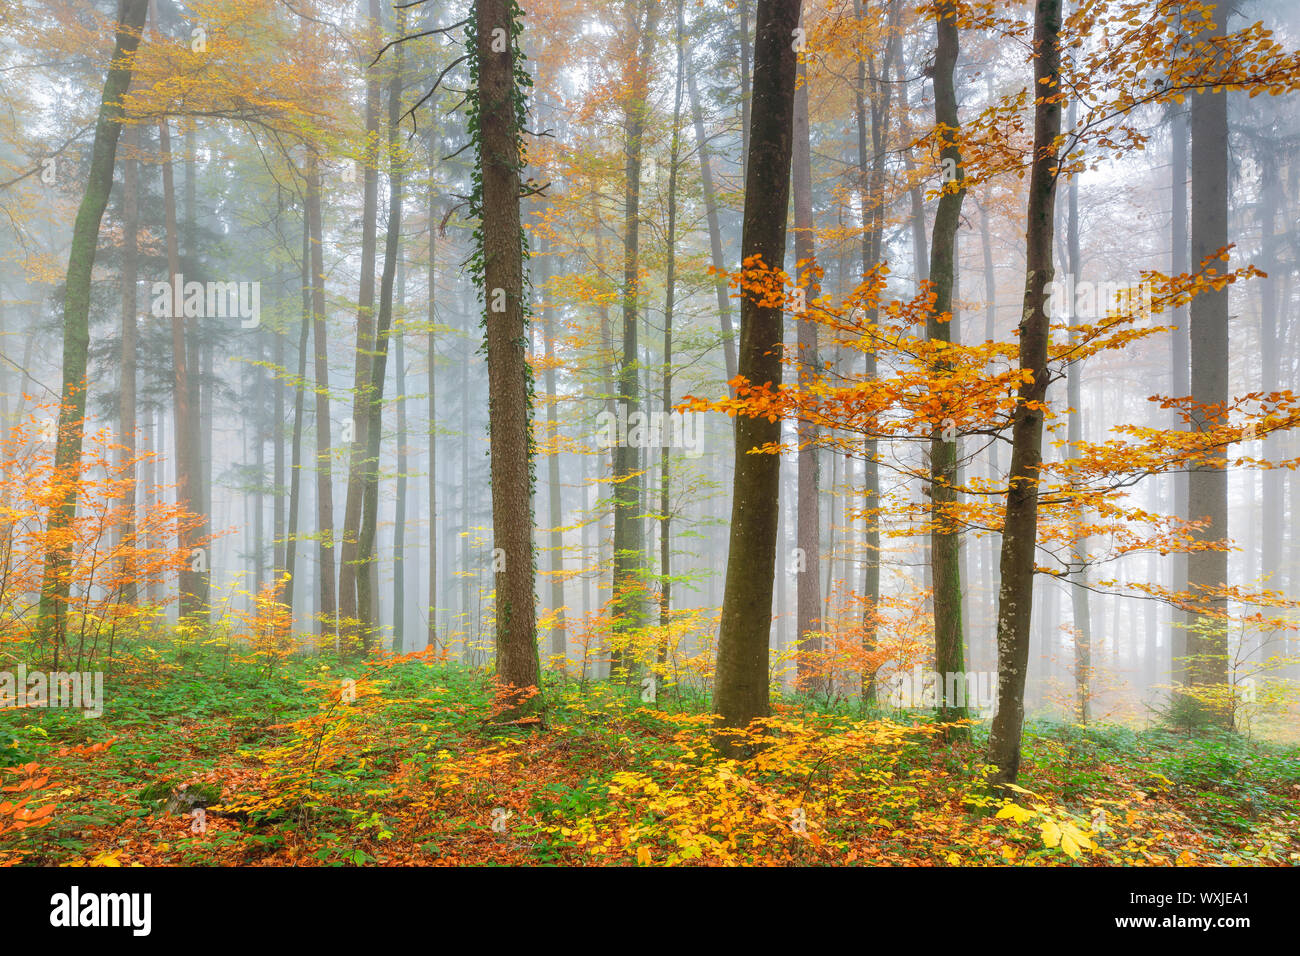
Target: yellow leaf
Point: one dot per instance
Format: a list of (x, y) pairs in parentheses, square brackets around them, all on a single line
[(1051, 832), (643, 855), (1019, 814)]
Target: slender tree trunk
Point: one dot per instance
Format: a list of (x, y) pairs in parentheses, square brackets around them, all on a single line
[(277, 455), (715, 231), (400, 505), (873, 229), (559, 636), (1074, 435), (368, 570), (1180, 360), (127, 382), (199, 361), (299, 399), (352, 623), (186, 441), (741, 691), (1020, 527), (328, 622), (670, 289), (808, 594), (431, 349), (945, 536), (1271, 508), (629, 558)]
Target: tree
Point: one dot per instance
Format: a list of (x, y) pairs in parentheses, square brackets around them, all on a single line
[(629, 549), (945, 539), (76, 302), (367, 608), (741, 692), (497, 120), (351, 569), (1207, 484), (1020, 524), (808, 596)]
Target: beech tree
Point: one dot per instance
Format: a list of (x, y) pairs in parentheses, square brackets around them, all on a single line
[(740, 692)]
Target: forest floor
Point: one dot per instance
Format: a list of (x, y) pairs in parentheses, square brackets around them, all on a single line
[(200, 759)]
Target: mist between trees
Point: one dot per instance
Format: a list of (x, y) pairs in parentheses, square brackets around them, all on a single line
[(774, 351)]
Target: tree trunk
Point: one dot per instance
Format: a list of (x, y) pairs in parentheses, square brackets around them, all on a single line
[(559, 637), (670, 289), (629, 558), (741, 691), (873, 229), (1074, 435), (715, 230), (945, 535), (352, 624), (186, 429), (1180, 361), (328, 622), (127, 382), (808, 592), (76, 309), (290, 566), (1020, 527), (1207, 486), (368, 570), (499, 113), (431, 349), (400, 504)]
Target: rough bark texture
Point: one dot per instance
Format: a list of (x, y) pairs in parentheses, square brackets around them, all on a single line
[(503, 268)]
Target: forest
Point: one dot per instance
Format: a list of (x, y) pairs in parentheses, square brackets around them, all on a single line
[(643, 433)]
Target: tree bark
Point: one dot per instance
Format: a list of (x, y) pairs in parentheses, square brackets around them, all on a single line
[(508, 374), (328, 621), (945, 534), (715, 230), (56, 585), (1207, 485), (629, 558), (808, 595), (1020, 527), (741, 691), (352, 625)]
